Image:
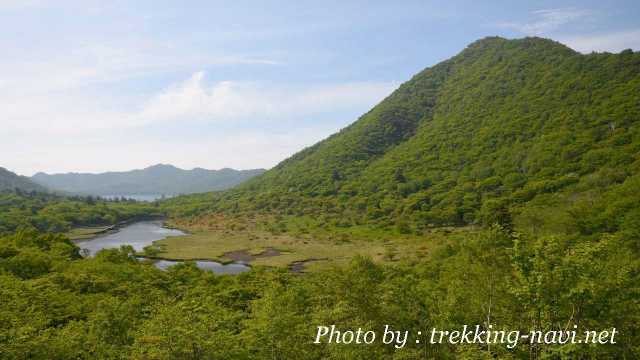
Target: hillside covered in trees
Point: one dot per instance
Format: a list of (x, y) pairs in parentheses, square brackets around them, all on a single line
[(471, 140), (46, 212), (12, 181)]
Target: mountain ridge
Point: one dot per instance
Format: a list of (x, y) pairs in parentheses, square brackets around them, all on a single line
[(468, 140), (155, 179), (11, 181)]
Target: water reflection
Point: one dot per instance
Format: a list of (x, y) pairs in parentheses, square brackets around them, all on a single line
[(144, 233), (216, 267), (139, 235)]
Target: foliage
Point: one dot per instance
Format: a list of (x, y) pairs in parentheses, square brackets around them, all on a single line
[(57, 213), (57, 305)]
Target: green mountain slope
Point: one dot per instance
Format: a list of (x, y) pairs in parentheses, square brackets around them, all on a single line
[(157, 179), (469, 140), (12, 181)]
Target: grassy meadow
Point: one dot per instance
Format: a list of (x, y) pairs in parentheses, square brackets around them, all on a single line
[(213, 237)]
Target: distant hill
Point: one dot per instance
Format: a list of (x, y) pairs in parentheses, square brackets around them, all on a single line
[(12, 181), (157, 179), (472, 140)]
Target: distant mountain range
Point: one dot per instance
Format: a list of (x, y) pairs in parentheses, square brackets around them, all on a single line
[(12, 181), (157, 179)]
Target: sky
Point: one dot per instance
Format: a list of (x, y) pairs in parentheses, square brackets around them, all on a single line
[(93, 86)]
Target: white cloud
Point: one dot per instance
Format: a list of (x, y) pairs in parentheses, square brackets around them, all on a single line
[(47, 91), (611, 42), (545, 21), (193, 100), (91, 64), (228, 100), (73, 131)]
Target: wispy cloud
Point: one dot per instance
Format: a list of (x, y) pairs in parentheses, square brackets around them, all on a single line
[(101, 63), (611, 42), (228, 100), (192, 100), (295, 115), (546, 20)]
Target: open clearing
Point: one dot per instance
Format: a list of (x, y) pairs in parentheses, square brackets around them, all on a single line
[(214, 238)]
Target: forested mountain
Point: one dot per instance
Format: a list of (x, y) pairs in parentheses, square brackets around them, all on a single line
[(157, 179), (12, 181), (471, 140)]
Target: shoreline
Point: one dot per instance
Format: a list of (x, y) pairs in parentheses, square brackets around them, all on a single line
[(113, 228)]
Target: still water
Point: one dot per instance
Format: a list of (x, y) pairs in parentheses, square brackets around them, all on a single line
[(138, 197), (142, 234), (232, 268)]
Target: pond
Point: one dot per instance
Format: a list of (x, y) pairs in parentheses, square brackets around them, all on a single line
[(138, 197), (142, 234), (216, 267)]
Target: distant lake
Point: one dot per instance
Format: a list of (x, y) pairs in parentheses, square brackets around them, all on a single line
[(138, 197), (139, 235), (142, 234)]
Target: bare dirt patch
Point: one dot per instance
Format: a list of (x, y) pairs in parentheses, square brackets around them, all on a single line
[(246, 257), (299, 266)]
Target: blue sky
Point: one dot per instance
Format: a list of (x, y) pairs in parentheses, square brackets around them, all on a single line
[(91, 86)]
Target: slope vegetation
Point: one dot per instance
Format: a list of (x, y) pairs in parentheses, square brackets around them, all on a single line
[(12, 181), (474, 139)]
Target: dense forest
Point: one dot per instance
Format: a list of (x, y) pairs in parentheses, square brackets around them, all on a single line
[(46, 212), (59, 306), (532, 145)]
